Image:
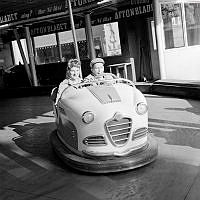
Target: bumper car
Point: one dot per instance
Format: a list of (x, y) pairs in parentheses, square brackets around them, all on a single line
[(102, 127)]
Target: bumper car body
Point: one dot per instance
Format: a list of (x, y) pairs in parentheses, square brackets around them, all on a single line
[(102, 127)]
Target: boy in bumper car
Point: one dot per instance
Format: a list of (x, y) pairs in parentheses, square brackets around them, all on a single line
[(97, 71)]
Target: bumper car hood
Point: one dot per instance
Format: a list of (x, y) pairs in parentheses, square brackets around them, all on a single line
[(106, 94)]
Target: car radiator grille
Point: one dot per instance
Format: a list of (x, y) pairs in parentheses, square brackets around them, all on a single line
[(119, 130)]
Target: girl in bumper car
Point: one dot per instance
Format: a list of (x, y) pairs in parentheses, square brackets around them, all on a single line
[(72, 76)]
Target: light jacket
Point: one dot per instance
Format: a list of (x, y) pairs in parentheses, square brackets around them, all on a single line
[(64, 84)]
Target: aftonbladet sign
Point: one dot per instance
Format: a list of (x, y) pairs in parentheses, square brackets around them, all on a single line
[(120, 14), (36, 10)]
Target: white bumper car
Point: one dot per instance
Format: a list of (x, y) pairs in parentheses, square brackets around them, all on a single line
[(102, 126)]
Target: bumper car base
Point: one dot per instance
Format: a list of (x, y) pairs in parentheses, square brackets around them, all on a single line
[(116, 164)]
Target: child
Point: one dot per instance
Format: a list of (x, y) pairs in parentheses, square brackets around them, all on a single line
[(97, 69), (72, 76)]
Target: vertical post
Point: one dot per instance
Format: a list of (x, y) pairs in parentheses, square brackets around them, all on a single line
[(73, 31), (117, 72), (89, 36), (133, 69), (31, 56), (159, 38), (23, 55), (59, 47), (35, 51), (73, 28), (125, 70)]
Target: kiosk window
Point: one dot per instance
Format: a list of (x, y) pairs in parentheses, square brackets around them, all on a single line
[(173, 25), (67, 44), (192, 15), (107, 40), (46, 49)]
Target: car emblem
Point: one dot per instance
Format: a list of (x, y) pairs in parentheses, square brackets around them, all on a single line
[(118, 116)]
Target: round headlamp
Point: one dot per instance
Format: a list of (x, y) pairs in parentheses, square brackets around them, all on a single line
[(88, 117), (141, 108)]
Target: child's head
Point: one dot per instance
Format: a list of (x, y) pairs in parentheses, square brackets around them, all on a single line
[(97, 66), (73, 69)]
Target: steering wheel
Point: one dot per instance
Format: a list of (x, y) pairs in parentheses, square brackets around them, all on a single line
[(100, 79), (106, 76)]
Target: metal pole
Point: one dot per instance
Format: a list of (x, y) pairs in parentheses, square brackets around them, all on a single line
[(159, 38), (23, 56), (31, 56), (73, 28), (89, 36), (59, 47), (73, 31)]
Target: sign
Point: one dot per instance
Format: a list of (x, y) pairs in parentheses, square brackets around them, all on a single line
[(124, 13), (31, 13), (121, 14), (33, 10), (58, 26)]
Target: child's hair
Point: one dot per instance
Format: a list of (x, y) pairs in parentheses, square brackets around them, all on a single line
[(72, 63)]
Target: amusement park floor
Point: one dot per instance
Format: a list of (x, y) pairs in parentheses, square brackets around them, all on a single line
[(29, 169)]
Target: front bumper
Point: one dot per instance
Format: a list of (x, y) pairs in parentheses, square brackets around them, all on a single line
[(133, 160)]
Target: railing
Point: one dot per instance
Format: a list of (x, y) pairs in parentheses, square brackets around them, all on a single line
[(124, 70)]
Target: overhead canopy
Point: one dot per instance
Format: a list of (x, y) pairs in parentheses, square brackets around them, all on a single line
[(18, 12), (22, 11)]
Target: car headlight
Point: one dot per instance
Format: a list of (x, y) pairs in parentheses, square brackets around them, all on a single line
[(141, 108), (88, 117)]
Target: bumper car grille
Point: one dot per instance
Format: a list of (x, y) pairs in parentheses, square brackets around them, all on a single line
[(119, 130), (94, 140), (139, 133)]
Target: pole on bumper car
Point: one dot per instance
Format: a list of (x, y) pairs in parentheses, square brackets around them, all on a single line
[(23, 56), (89, 36), (59, 46), (68, 2)]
